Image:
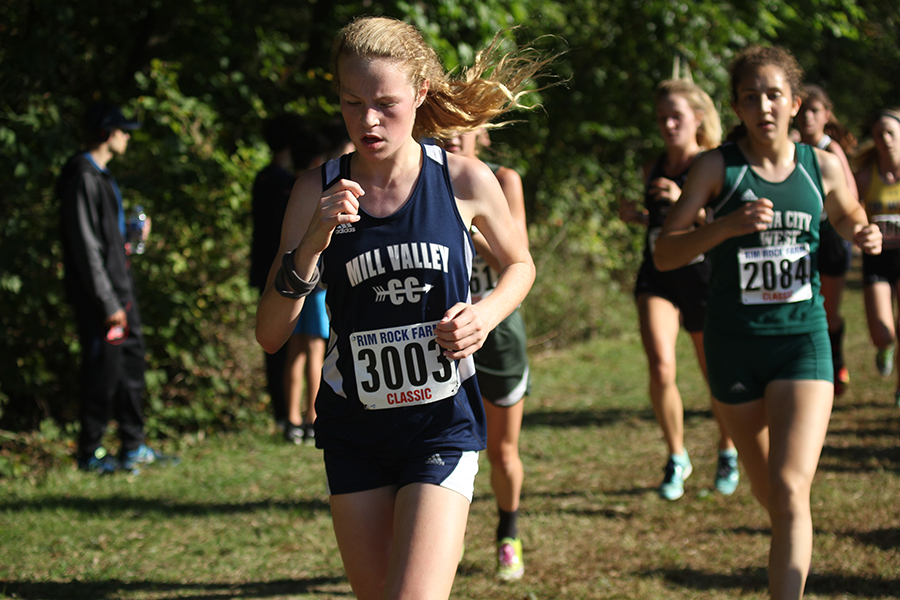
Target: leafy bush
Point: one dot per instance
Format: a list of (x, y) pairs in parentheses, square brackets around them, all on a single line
[(585, 258), (196, 305), (194, 294), (38, 344)]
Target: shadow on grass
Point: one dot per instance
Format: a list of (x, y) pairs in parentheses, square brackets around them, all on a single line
[(864, 434), (751, 579), (855, 459), (114, 504), (756, 579), (598, 418), (582, 418), (884, 539), (593, 496), (577, 503), (472, 569), (751, 531), (840, 407), (98, 590), (853, 586), (635, 491)]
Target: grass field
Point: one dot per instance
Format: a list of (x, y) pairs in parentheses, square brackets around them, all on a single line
[(246, 516)]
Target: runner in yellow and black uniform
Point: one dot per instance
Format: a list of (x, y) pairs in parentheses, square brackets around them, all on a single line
[(878, 181)]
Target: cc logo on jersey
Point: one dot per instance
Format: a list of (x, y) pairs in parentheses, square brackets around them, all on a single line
[(399, 292)]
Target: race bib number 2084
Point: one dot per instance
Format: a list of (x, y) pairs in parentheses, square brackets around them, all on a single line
[(402, 366), (775, 274)]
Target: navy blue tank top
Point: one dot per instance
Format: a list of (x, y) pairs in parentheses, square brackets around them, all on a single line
[(386, 388)]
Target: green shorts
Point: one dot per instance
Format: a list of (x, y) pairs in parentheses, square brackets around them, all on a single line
[(741, 366), (501, 364)]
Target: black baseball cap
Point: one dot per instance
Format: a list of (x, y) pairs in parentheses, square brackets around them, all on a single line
[(106, 117)]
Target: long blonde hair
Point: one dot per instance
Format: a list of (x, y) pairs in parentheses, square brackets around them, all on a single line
[(709, 133), (493, 86)]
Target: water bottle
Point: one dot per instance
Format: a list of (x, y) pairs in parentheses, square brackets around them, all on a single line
[(136, 230)]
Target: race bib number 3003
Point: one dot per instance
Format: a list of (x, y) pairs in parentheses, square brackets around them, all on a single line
[(775, 274), (402, 366)]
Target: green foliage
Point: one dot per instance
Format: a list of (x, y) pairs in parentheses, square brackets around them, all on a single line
[(37, 344), (193, 288), (585, 256), (203, 76)]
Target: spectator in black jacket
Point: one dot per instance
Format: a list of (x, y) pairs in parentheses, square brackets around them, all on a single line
[(100, 287)]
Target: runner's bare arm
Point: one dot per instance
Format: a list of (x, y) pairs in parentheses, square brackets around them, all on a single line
[(679, 242), (309, 220), (846, 213), (511, 184), (481, 202)]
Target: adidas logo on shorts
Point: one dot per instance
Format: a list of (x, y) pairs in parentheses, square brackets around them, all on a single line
[(344, 228), (435, 459), (748, 196), (737, 387)]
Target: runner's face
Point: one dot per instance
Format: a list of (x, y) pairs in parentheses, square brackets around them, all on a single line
[(765, 103), (811, 120), (886, 133), (463, 144), (378, 104), (677, 121)]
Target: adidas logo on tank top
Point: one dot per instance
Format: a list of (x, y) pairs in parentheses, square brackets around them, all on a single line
[(748, 196)]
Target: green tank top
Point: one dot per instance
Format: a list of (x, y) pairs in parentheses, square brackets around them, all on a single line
[(493, 166), (767, 283)]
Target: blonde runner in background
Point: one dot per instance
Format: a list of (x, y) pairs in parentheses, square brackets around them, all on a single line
[(689, 125)]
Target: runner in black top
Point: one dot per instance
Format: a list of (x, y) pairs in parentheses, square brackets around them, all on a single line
[(689, 124)]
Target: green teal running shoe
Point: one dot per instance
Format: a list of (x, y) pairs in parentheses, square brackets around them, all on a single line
[(677, 470), (727, 475), (884, 360), (510, 565), (100, 462), (143, 456)]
